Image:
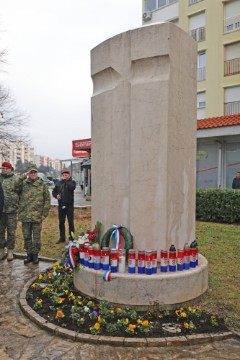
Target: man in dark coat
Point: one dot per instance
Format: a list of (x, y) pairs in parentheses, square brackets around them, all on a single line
[(64, 193), (236, 181)]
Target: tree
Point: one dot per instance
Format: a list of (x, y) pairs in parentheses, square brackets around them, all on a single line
[(21, 167), (12, 121)]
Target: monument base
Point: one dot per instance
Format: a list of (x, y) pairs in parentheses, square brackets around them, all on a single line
[(163, 289)]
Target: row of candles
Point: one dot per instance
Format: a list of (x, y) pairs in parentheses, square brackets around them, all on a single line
[(142, 261)]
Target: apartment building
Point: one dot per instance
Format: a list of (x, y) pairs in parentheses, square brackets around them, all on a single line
[(15, 151), (215, 25)]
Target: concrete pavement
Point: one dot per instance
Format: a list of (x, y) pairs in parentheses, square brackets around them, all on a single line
[(20, 339), (79, 199)]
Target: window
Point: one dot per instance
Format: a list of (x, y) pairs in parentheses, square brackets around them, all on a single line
[(232, 162), (201, 66), (207, 165), (201, 105), (232, 59), (232, 100), (231, 16), (191, 2), (197, 26), (151, 5)]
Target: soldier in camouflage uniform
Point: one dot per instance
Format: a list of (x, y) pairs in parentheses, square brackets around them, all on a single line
[(8, 222), (33, 209)]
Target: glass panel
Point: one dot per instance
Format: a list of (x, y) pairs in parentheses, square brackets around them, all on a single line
[(150, 5), (207, 166), (232, 162), (161, 3), (201, 59)]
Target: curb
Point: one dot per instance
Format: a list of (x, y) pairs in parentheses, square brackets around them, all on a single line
[(42, 258), (118, 341)]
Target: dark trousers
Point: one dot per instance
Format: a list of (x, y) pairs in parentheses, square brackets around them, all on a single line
[(63, 212)]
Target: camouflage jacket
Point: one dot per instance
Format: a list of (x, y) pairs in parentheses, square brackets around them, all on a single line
[(34, 199), (11, 198)]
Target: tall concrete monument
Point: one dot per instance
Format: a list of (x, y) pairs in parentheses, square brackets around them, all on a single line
[(143, 158), (144, 135)]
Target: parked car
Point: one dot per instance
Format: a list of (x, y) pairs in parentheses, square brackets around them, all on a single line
[(45, 179)]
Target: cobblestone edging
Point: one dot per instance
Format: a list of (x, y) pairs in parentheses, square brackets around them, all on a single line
[(118, 341)]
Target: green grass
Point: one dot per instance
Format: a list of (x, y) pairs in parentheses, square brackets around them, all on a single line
[(219, 243), (50, 232)]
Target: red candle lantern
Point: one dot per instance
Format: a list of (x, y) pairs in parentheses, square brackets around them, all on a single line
[(114, 260), (154, 261), (141, 261), (131, 261), (105, 258), (148, 266), (164, 260)]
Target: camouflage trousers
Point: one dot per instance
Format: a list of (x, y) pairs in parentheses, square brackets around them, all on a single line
[(8, 226), (32, 237)]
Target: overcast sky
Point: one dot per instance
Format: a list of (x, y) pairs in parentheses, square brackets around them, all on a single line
[(48, 71)]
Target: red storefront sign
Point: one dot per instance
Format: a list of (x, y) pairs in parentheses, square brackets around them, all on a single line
[(79, 147)]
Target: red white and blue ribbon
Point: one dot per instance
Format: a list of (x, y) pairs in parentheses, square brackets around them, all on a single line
[(107, 275), (72, 260), (116, 235)]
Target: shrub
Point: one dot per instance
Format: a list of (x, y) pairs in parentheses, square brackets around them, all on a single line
[(216, 205)]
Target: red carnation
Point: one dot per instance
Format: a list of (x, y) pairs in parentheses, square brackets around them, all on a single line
[(91, 236)]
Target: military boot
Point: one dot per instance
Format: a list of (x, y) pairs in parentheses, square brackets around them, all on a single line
[(61, 240), (9, 255), (28, 259), (35, 259)]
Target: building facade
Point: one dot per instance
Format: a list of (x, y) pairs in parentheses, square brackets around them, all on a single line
[(15, 151), (215, 25)]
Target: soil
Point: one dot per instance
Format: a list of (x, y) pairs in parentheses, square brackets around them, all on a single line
[(161, 323)]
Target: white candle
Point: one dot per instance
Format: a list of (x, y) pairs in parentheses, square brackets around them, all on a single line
[(122, 261)]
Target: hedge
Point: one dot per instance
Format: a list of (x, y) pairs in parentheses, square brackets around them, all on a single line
[(218, 205)]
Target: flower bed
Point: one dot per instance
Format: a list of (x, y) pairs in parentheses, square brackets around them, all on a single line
[(53, 297)]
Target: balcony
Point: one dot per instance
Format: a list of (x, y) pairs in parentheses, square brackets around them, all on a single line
[(201, 71), (232, 24), (232, 108), (198, 34), (232, 67)]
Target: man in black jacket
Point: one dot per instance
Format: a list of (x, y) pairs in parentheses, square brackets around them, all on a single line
[(236, 181), (64, 193)]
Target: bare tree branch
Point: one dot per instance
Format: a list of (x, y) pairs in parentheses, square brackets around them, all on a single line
[(12, 121)]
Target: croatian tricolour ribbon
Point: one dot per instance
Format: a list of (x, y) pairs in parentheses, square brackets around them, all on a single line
[(72, 260), (116, 235), (107, 275)]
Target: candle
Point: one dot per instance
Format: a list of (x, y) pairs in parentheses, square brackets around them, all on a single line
[(122, 261), (114, 260), (131, 261), (148, 257), (105, 258), (141, 261)]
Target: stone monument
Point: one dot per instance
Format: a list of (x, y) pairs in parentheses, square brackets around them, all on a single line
[(144, 154), (144, 134)]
